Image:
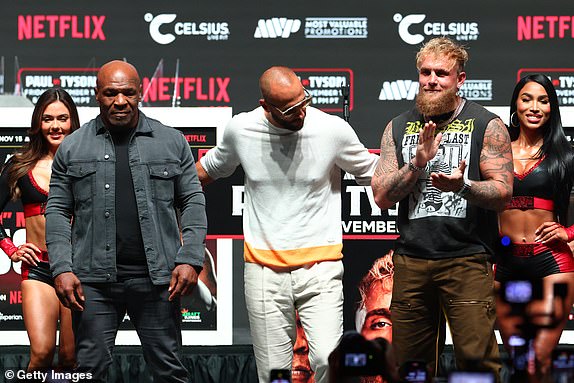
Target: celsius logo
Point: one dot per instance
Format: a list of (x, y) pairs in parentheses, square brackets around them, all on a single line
[(458, 30), (211, 30), (276, 27)]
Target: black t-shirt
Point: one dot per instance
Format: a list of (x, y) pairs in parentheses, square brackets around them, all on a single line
[(130, 256), (433, 224)]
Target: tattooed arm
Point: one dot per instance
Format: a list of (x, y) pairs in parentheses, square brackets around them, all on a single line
[(496, 168), (391, 184)]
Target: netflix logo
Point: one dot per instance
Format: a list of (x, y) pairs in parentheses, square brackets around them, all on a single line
[(89, 27), (195, 89)]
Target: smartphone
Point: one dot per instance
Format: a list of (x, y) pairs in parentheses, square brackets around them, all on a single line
[(563, 365), (280, 376), (471, 377), (521, 292), (415, 371)]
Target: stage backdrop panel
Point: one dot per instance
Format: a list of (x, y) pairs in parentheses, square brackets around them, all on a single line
[(204, 320), (195, 54)]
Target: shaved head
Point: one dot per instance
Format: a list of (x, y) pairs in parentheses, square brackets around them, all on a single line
[(114, 66), (279, 85), (280, 90), (118, 92)]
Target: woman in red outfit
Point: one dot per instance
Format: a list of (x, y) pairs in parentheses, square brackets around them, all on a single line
[(26, 176), (534, 236)]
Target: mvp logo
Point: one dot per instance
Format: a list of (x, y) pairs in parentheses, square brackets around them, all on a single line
[(276, 27)]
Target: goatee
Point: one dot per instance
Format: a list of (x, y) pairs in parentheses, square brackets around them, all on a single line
[(432, 104)]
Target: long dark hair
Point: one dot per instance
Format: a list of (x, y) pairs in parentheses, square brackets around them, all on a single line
[(27, 156), (555, 148)]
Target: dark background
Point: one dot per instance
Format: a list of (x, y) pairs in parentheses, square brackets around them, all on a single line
[(228, 69)]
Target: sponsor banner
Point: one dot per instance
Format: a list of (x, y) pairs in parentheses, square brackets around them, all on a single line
[(477, 90), (314, 28), (78, 82), (165, 28), (325, 84), (276, 27), (50, 26), (544, 27), (358, 260), (200, 139), (336, 28), (413, 29), (157, 91), (562, 79), (398, 90), (186, 91), (205, 313), (401, 90), (361, 217), (199, 309), (13, 221)]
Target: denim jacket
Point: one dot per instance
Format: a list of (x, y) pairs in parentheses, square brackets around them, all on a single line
[(80, 215)]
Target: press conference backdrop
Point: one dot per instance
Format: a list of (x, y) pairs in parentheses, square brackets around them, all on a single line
[(211, 54)]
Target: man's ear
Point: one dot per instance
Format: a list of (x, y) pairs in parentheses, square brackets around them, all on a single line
[(264, 104), (140, 95), (460, 80)]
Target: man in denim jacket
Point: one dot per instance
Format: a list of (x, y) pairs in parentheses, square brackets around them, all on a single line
[(125, 228)]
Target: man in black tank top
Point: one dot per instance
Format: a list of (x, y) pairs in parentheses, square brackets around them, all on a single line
[(448, 163)]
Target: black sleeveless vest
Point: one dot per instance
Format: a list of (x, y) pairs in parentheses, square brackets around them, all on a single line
[(437, 225)]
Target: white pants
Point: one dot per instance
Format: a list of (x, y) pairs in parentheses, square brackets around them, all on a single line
[(272, 298)]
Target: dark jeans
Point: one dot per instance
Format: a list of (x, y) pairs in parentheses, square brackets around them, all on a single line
[(460, 289), (157, 322)]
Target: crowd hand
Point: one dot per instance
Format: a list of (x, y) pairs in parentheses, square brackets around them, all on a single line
[(27, 253), (69, 291), (551, 231), (449, 182), (428, 144), (183, 280)]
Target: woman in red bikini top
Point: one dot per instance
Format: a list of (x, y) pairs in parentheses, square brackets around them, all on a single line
[(26, 176), (534, 238)]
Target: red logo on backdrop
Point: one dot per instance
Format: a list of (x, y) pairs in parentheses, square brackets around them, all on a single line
[(325, 84), (15, 297), (195, 89), (78, 82), (545, 27), (562, 79), (61, 26)]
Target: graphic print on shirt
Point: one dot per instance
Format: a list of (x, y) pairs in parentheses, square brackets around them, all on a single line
[(425, 200)]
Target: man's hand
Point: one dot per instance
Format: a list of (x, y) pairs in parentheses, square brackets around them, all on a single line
[(427, 146), (183, 281), (69, 291), (449, 182)]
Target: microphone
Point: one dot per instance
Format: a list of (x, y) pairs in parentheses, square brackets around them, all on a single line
[(345, 90)]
